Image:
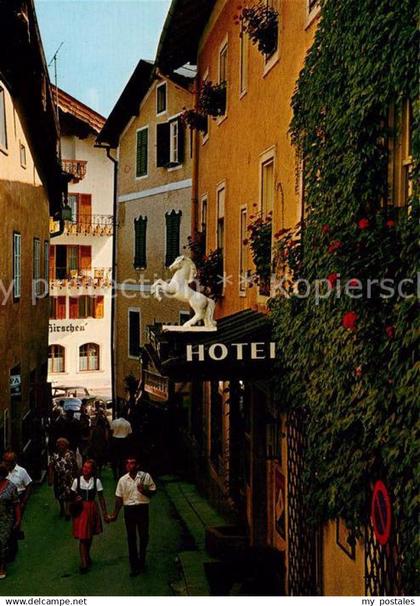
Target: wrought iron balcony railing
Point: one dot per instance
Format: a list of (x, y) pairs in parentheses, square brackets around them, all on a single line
[(86, 225), (98, 278), (75, 168)]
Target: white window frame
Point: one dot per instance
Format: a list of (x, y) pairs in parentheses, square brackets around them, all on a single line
[(3, 148), (243, 63), (243, 210), (205, 136), (148, 152), (311, 15), (130, 310), (52, 371), (224, 45), (22, 154), (87, 358), (162, 84), (17, 265), (270, 62), (36, 267), (265, 158)]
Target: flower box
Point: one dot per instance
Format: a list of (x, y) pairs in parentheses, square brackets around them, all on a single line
[(261, 23)]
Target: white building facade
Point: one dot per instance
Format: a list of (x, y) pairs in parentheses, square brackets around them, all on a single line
[(80, 263)]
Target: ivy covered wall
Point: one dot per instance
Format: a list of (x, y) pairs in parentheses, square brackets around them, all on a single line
[(351, 362)]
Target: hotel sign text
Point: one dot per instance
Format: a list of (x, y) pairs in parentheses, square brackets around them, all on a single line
[(239, 351)]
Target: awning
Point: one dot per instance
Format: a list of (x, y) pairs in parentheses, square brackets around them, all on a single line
[(240, 348)]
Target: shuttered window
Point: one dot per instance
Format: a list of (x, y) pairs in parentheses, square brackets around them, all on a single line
[(177, 142), (85, 257), (74, 308), (173, 223), (134, 333), (140, 225), (98, 308), (142, 152)]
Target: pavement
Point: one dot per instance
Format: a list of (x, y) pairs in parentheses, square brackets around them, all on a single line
[(48, 562)]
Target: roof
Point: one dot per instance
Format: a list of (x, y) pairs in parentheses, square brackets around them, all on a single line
[(78, 110), (128, 104), (24, 71), (182, 32), (167, 351)]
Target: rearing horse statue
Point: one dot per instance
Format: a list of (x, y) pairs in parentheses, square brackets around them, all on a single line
[(178, 288)]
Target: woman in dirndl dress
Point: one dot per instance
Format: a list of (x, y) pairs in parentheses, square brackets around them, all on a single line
[(88, 522)]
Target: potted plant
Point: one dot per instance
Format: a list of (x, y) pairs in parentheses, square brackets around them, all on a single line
[(261, 23), (194, 119), (259, 239), (212, 99)]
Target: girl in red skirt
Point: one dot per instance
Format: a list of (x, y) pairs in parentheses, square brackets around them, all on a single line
[(87, 522)]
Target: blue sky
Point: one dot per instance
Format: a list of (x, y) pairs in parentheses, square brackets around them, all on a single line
[(103, 41)]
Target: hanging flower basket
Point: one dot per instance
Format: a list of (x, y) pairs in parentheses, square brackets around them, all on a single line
[(209, 266), (212, 100), (261, 23), (194, 119)]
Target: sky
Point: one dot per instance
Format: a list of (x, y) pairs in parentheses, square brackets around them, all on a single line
[(103, 42)]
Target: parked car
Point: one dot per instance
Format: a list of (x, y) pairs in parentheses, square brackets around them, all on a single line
[(63, 391), (62, 405)]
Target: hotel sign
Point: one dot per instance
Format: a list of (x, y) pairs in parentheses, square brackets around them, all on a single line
[(217, 352)]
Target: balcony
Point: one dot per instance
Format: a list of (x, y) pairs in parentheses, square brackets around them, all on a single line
[(86, 225), (99, 278), (75, 168)]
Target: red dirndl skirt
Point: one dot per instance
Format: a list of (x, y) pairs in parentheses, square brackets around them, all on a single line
[(88, 523)]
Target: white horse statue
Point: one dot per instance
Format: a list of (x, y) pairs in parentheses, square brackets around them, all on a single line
[(178, 288)]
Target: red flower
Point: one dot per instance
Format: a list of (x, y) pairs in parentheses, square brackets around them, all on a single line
[(390, 331), (390, 223), (363, 223), (334, 246), (332, 279), (354, 282), (349, 320), (326, 229), (358, 371)]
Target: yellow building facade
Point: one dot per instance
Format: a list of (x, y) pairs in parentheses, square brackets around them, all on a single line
[(154, 207)]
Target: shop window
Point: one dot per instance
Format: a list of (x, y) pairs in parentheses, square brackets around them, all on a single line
[(173, 225), (3, 126), (89, 357), (400, 149), (134, 333), (17, 265), (142, 152), (216, 425), (140, 259), (161, 98), (56, 359)]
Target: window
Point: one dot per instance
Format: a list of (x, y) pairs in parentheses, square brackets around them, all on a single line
[(72, 200), (275, 5), (203, 226), (173, 223), (243, 252), (67, 262), (46, 264), (56, 359), (58, 308), (400, 154), (267, 186), (3, 129), (220, 235), (22, 153), (133, 333), (81, 208), (173, 156), (161, 98), (84, 307), (17, 265), (243, 62), (36, 267), (140, 259), (223, 70), (142, 152), (89, 357)]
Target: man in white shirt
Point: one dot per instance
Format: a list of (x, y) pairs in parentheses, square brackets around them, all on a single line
[(120, 431), (134, 491), (19, 477)]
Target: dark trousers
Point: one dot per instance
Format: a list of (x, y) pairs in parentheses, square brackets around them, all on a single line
[(118, 455), (137, 525)]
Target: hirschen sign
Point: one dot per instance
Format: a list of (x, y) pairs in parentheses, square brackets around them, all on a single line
[(239, 351)]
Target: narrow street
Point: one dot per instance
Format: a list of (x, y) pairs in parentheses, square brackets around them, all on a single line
[(47, 562)]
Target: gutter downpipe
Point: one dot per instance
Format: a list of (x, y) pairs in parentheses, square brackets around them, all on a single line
[(114, 266)]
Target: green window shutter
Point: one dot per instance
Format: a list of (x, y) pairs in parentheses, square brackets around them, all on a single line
[(162, 142), (140, 225), (142, 152), (173, 223)]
